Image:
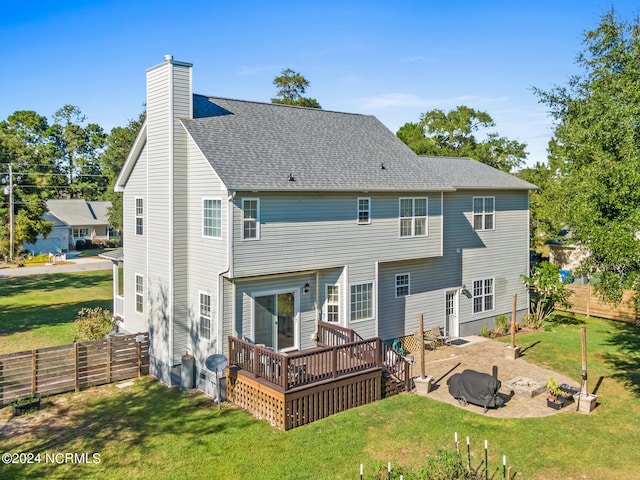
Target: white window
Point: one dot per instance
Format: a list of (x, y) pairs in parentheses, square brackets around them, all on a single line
[(402, 285), (139, 293), (483, 295), (212, 218), (333, 303), (413, 217), (250, 218), (205, 316), (361, 301), (139, 216), (364, 211), (483, 213)]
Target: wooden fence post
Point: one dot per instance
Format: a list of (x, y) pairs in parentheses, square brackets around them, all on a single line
[(108, 360), (139, 348), (77, 369), (34, 375)]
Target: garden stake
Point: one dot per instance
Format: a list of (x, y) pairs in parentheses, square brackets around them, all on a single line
[(513, 321), (455, 436), (389, 471), (361, 471), (504, 466), (584, 390), (486, 460), (468, 455)]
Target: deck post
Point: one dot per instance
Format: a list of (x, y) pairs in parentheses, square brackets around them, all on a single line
[(256, 361), (334, 362), (284, 374)]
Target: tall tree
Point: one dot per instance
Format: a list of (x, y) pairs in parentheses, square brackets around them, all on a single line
[(291, 88), (454, 133), (26, 145), (79, 150), (119, 143), (596, 149)]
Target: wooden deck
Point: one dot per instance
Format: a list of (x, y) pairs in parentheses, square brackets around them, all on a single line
[(295, 389)]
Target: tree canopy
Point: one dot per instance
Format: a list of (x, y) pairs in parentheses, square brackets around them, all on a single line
[(291, 88), (595, 154), (68, 158), (454, 134)]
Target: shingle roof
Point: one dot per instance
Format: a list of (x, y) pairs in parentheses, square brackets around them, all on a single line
[(77, 211), (257, 146), (467, 173)]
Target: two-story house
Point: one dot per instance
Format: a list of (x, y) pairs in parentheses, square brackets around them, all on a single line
[(256, 220)]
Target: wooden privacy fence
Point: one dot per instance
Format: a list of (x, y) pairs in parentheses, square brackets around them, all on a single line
[(71, 367), (584, 301)]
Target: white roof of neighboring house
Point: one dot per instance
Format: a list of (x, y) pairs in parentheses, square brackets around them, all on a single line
[(79, 212)]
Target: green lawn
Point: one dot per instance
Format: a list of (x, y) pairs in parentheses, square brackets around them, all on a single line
[(39, 310), (150, 431)]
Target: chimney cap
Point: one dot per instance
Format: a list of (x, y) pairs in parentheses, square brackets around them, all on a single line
[(168, 58)]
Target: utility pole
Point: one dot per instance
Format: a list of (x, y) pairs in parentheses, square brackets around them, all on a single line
[(11, 219), (8, 190)]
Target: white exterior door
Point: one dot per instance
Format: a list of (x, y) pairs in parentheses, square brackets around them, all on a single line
[(451, 323)]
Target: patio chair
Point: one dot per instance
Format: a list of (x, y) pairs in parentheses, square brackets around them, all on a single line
[(430, 341)]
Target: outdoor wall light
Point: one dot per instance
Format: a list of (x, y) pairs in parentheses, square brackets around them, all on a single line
[(306, 287)]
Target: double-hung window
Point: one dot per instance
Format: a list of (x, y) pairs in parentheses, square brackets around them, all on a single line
[(139, 293), (212, 218), (413, 217), (483, 213), (361, 301), (205, 316), (364, 211), (139, 216), (250, 219), (333, 303), (402, 285), (483, 295)]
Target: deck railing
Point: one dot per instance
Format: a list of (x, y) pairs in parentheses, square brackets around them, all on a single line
[(342, 352), (330, 335), (289, 371)]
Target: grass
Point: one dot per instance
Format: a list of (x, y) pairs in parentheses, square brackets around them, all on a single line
[(38, 311), (150, 431)]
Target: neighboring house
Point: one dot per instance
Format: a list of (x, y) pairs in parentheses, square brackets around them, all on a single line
[(257, 220), (73, 219), (565, 253)]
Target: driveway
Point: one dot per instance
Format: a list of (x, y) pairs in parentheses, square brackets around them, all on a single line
[(77, 264), (482, 354)]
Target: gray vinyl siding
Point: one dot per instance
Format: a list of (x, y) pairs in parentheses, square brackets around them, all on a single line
[(429, 279), (135, 247), (246, 290), (501, 254), (181, 103), (207, 257), (318, 231)]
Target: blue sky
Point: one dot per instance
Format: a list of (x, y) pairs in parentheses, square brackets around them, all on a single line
[(394, 60)]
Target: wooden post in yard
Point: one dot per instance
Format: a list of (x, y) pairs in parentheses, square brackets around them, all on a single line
[(421, 336), (585, 388), (513, 320)]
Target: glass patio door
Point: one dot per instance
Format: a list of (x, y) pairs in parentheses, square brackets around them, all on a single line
[(275, 320)]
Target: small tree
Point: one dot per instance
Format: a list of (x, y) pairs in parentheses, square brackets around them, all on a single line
[(93, 323), (547, 290)]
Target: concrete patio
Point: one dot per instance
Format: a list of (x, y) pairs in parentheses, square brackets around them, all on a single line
[(482, 354)]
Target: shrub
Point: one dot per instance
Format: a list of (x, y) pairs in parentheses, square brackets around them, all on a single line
[(547, 289), (500, 324), (93, 323)]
